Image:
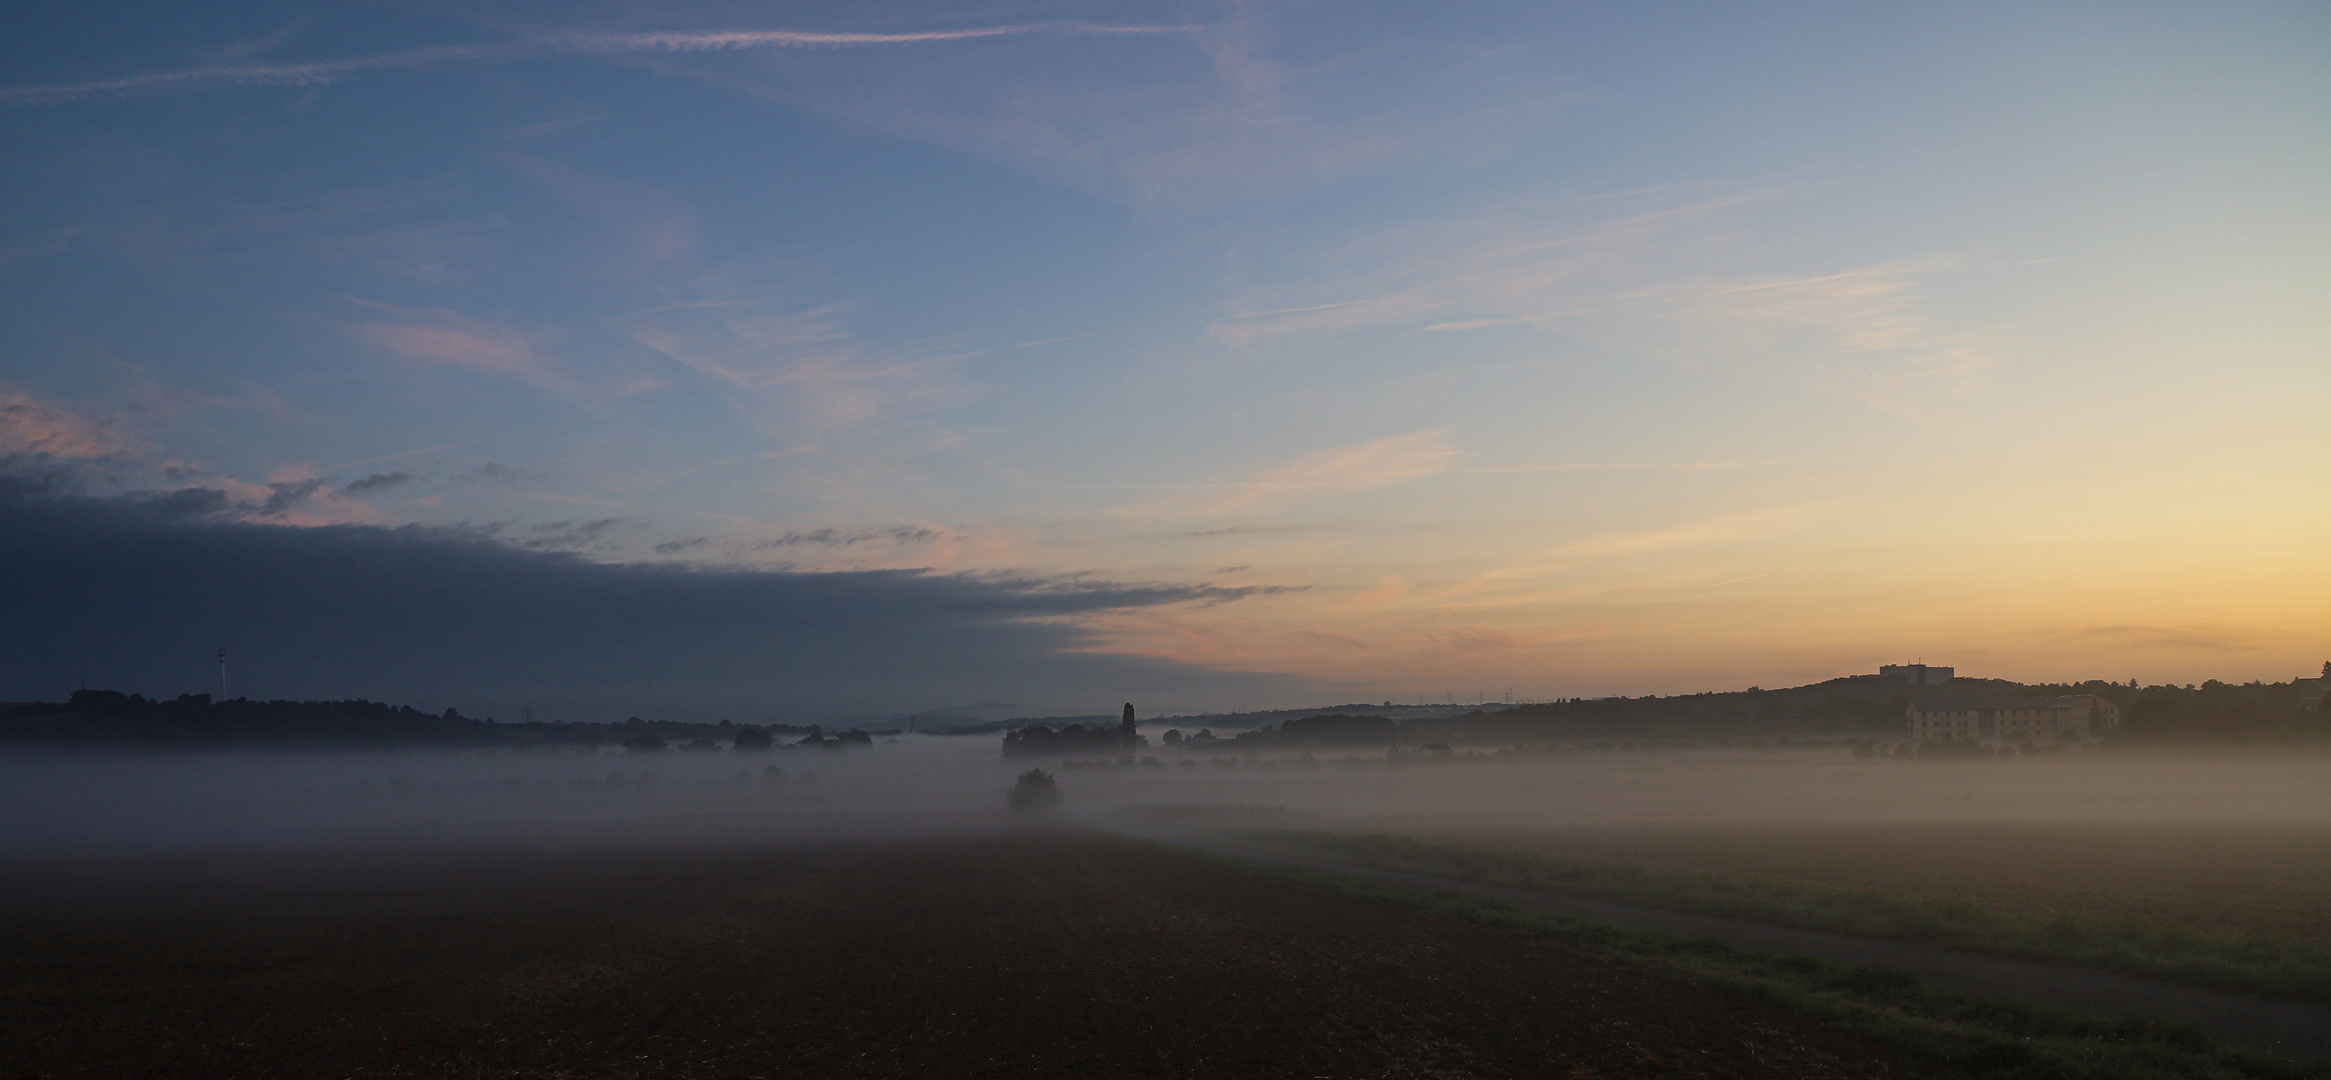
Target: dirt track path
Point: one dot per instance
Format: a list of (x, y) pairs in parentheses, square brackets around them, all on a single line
[(2288, 1027)]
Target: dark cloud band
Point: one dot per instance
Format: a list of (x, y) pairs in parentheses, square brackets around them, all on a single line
[(131, 592)]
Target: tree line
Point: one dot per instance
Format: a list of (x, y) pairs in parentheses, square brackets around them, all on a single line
[(110, 719)]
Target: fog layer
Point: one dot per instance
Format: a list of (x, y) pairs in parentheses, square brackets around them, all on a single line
[(917, 784)]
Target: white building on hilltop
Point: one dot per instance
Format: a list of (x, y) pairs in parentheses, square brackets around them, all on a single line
[(1919, 674)]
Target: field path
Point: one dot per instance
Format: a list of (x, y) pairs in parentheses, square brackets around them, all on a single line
[(2293, 1028)]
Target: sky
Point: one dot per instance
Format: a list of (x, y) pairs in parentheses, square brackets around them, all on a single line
[(606, 357)]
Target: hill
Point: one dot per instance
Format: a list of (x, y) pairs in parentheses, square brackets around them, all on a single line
[(2152, 715)]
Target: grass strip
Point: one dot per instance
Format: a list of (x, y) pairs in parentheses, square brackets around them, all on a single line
[(1981, 1036), (2256, 965)]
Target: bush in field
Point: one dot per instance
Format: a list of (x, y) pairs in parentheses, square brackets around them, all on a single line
[(1034, 791)]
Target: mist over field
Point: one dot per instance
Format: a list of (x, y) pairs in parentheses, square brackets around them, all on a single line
[(939, 785), (1165, 540), (2073, 856)]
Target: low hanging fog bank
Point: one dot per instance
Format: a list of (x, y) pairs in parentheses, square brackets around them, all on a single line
[(1809, 785), (98, 803), (935, 785)]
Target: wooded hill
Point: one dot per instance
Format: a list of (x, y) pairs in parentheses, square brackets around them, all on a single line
[(2211, 712)]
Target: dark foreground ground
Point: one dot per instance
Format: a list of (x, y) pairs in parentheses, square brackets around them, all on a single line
[(1032, 955)]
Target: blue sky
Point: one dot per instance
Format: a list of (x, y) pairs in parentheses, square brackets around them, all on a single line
[(1578, 349)]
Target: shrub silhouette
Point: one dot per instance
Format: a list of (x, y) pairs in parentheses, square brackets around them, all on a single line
[(1035, 791)]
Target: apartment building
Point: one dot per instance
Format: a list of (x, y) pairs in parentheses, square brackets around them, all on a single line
[(2068, 718)]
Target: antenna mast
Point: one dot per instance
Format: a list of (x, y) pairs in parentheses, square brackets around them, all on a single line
[(222, 667)]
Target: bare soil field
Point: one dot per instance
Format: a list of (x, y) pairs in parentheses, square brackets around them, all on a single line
[(1027, 955), (2220, 879)]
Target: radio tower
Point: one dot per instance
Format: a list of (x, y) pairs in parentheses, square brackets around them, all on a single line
[(222, 667)]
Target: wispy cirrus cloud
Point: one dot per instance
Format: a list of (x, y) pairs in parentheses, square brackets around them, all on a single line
[(648, 227), (1368, 466), (1533, 261), (1866, 309), (424, 230), (1686, 282), (1258, 104), (437, 336), (1655, 466), (782, 351), (324, 72), (1724, 528), (31, 426), (2183, 637), (457, 340), (1249, 530), (245, 48), (1526, 579)]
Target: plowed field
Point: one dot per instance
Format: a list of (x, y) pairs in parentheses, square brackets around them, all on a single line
[(1028, 955)]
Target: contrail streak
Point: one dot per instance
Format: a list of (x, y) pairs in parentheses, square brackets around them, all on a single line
[(328, 71)]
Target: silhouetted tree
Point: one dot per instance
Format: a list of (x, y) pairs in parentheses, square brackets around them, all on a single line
[(1034, 791), (2221, 712)]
